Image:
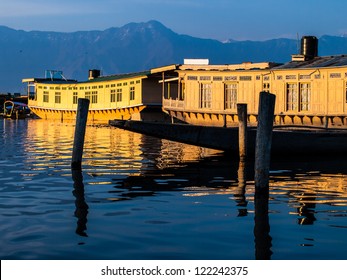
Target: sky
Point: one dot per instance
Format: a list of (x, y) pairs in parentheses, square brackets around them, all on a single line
[(213, 19)]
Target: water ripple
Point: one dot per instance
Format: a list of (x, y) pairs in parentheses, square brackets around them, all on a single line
[(141, 197)]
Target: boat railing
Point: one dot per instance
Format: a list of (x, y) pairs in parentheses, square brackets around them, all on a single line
[(173, 103)]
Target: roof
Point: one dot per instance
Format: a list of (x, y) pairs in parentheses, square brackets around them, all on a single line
[(95, 80), (229, 67), (317, 62), (50, 81), (119, 77)]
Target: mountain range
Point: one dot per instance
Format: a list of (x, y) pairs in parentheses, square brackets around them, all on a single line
[(133, 47)]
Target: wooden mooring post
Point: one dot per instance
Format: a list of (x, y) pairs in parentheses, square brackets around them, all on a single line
[(242, 116), (264, 141), (263, 240), (80, 130)]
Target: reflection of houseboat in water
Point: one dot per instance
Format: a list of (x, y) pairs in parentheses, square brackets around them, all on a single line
[(310, 90), (15, 110)]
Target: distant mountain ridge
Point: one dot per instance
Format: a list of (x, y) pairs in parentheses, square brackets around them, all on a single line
[(133, 47)]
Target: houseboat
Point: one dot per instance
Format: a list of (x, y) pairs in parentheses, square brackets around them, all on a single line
[(310, 90), (136, 96)]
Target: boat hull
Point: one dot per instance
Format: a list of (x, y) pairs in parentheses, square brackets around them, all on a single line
[(93, 115), (289, 141)]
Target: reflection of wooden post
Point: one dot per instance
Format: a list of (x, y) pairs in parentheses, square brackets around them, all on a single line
[(242, 116), (80, 130), (264, 140), (240, 191), (262, 238), (81, 211)]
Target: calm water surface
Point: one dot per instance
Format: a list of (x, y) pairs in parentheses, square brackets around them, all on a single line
[(139, 197)]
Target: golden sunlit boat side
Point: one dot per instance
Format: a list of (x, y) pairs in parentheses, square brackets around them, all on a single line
[(124, 96), (309, 89)]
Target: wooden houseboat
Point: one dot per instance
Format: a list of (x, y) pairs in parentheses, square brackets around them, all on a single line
[(310, 90), (135, 96)]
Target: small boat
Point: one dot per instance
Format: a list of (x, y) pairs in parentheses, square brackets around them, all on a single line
[(15, 110)]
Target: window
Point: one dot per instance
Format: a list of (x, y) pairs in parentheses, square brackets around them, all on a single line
[(57, 97), (305, 97), (119, 94), (205, 78), (132, 93), (230, 78), (113, 95), (298, 96), (94, 97), (230, 96), (266, 87), (218, 78), (87, 95), (75, 97), (292, 97), (305, 77), (205, 95), (335, 75), (45, 96), (245, 78)]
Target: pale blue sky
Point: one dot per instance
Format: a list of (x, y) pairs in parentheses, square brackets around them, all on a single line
[(215, 19)]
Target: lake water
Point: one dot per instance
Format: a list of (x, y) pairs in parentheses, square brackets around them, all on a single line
[(139, 197)]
